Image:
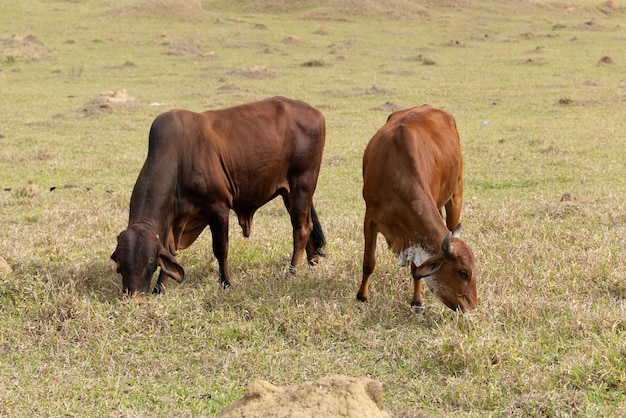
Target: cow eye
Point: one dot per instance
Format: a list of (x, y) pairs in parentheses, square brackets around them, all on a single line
[(464, 274), (151, 261)]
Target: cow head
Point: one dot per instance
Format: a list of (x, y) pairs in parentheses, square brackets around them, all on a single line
[(138, 254), (450, 274)]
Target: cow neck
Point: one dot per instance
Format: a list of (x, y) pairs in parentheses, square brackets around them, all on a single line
[(150, 219), (431, 228), (154, 195), (146, 225)]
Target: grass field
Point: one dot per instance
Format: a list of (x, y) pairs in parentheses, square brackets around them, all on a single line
[(538, 89)]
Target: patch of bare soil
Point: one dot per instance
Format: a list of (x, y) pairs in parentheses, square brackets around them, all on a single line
[(107, 103), (355, 92), (184, 10), (573, 8), (292, 40), (388, 107), (328, 397), (424, 60), (331, 10), (315, 63), (23, 48), (606, 60), (567, 206), (5, 268), (186, 46), (393, 9), (590, 25), (256, 71)]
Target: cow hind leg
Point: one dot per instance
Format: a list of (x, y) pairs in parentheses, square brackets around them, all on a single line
[(370, 233), (317, 240), (299, 206), (453, 207)]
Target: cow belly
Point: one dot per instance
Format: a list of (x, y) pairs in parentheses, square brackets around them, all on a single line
[(415, 254)]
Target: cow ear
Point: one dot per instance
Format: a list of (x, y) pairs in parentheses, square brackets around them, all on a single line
[(427, 268), (170, 266), (114, 258)]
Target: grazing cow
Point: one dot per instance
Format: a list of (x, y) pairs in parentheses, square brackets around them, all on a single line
[(412, 168), (202, 165)]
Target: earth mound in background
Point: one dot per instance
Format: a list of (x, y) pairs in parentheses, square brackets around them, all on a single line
[(183, 10)]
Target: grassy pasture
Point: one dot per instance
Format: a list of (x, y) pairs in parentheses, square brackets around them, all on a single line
[(542, 121)]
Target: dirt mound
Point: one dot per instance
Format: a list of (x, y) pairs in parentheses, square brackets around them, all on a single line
[(26, 48), (185, 10), (313, 9), (255, 71), (328, 397), (107, 102), (5, 268)]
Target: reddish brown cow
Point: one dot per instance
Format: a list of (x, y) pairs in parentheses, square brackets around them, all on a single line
[(202, 165), (412, 169)]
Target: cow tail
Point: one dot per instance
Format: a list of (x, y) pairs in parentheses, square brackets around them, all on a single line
[(317, 234)]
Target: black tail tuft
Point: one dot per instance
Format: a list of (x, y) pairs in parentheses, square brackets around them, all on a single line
[(317, 234)]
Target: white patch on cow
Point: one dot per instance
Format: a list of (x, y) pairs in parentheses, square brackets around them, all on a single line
[(415, 253)]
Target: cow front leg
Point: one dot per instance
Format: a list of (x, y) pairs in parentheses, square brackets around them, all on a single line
[(219, 233), (159, 287), (416, 302), (370, 233)]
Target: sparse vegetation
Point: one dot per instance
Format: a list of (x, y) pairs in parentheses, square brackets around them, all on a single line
[(544, 149)]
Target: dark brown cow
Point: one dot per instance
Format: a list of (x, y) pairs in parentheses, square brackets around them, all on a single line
[(412, 169), (202, 165)]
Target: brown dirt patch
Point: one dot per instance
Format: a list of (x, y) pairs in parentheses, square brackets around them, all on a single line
[(590, 25), (606, 61), (388, 107), (395, 9), (187, 47), (256, 71), (315, 63), (292, 40)]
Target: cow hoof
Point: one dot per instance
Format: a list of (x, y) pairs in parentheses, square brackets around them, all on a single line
[(417, 307), (159, 289), (224, 284), (292, 270), (361, 298)]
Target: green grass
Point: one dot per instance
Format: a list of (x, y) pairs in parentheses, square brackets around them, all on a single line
[(542, 126)]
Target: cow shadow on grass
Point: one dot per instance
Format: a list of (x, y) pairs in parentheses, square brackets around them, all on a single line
[(40, 279), (268, 281), (96, 279)]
